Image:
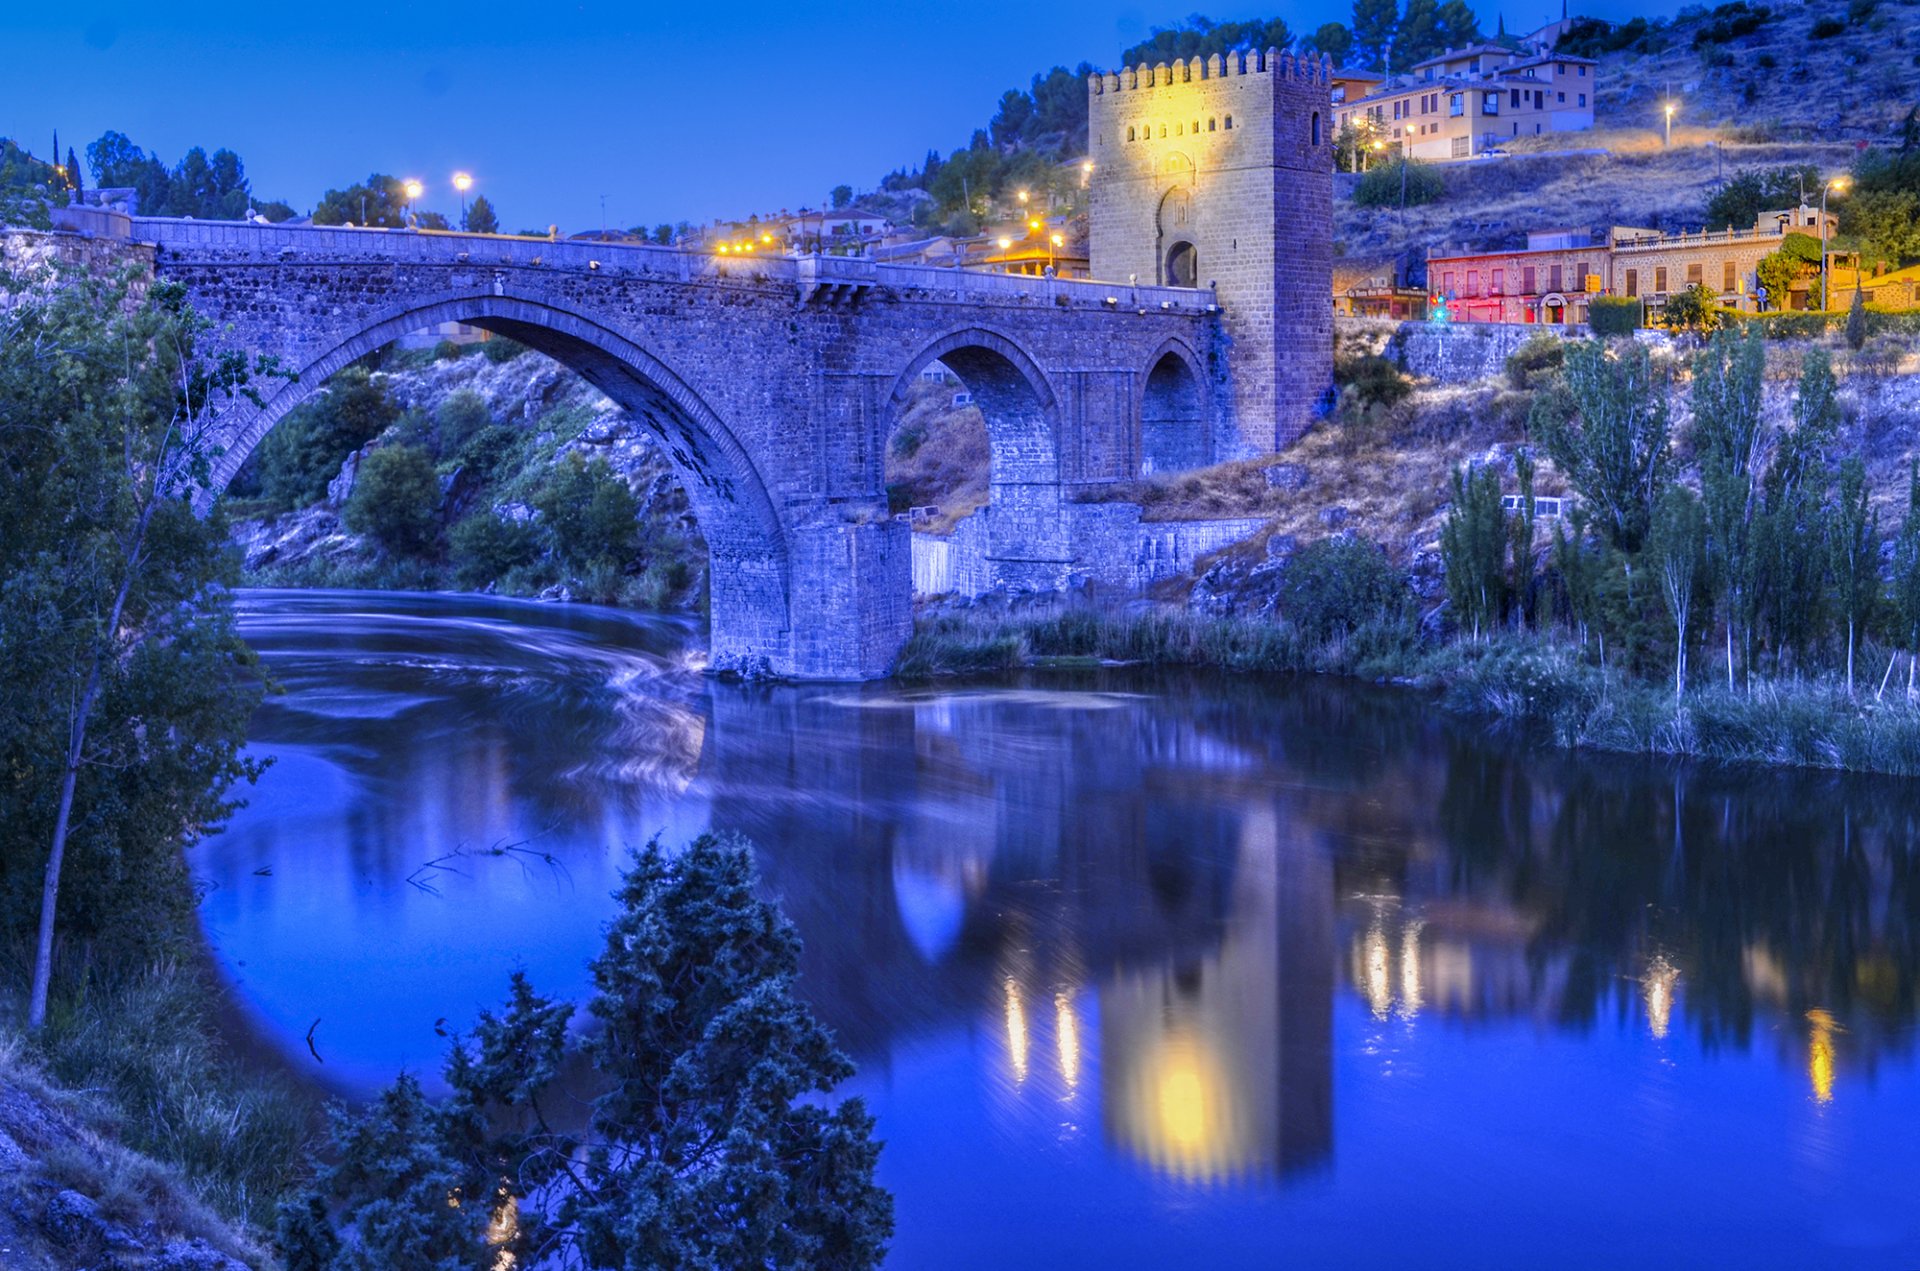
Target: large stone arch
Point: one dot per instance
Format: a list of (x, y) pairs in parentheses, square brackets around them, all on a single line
[(751, 586), (1026, 537), (1174, 410)]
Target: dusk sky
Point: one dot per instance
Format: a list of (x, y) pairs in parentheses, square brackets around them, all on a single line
[(681, 113)]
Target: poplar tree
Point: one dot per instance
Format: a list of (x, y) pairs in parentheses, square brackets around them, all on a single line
[(1614, 447), (1728, 437), (1906, 572), (1675, 546), (1855, 548), (1473, 547)]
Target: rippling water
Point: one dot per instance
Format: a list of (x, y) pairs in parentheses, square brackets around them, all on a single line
[(1139, 970)]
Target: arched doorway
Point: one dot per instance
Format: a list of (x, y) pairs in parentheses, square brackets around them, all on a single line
[(1183, 265), (751, 586), (1173, 434)]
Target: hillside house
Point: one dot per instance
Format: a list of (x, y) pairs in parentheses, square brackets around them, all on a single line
[(1469, 101)]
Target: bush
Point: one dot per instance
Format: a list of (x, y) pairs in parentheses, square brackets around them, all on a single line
[(1372, 382), (1826, 28), (1332, 587), (591, 513), (304, 451), (1695, 309), (461, 417), (1384, 185), (1615, 315), (500, 349), (1540, 356), (489, 451), (396, 500), (483, 548)]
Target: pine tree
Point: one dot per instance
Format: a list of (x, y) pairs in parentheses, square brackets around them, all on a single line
[(1374, 22), (1857, 318), (73, 171), (1418, 36), (481, 218)]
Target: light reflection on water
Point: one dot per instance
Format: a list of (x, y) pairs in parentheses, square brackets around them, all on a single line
[(1136, 969)]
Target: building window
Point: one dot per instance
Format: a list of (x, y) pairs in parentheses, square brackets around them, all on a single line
[(1163, 132), (1696, 275), (1560, 68), (1473, 283), (1213, 125), (1196, 126), (1728, 281), (1460, 150), (1179, 129), (1514, 98), (1499, 282), (1456, 104), (1633, 282), (1660, 280), (1562, 99), (1554, 279), (1316, 127), (1580, 276), (1227, 123), (1539, 99), (1583, 99), (1582, 70), (1528, 282), (1490, 103), (1129, 134), (1446, 284)]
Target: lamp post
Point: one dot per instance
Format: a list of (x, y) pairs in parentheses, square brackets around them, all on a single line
[(462, 182), (1835, 183), (412, 189), (1054, 244), (1669, 114)]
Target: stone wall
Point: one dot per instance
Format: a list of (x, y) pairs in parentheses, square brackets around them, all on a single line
[(1114, 548)]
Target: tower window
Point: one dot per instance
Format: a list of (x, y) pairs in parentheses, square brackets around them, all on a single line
[(1228, 125), (1163, 131), (1196, 125), (1316, 127), (1129, 134), (1213, 125)]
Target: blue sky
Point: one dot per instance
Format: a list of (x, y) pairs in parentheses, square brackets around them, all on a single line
[(672, 113)]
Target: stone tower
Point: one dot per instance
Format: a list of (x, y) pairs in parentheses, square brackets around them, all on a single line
[(1220, 173)]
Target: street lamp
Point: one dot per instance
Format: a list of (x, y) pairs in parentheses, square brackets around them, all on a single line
[(463, 182), (1669, 112), (1836, 183), (1022, 196), (412, 189), (1054, 244)]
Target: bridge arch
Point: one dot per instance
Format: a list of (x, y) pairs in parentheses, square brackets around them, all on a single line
[(1173, 412), (1025, 525), (748, 545)]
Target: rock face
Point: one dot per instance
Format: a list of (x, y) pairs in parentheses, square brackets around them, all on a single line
[(292, 539)]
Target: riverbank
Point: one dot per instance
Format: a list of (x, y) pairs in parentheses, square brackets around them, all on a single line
[(133, 1136), (1532, 682)]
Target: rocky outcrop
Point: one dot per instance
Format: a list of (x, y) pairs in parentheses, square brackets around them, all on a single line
[(293, 539)]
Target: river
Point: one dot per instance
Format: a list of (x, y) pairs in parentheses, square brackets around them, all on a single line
[(1139, 969)]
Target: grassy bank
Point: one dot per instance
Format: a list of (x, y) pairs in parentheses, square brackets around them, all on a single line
[(1542, 685), (181, 1131)]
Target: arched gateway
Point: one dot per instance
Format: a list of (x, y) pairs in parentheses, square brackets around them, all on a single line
[(772, 382)]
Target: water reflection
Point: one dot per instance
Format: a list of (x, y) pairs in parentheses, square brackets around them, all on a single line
[(1231, 955)]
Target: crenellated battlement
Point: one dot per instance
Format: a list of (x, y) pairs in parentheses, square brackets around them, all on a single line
[(1311, 70)]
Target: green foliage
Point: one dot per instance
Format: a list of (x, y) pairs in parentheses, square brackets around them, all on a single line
[(1676, 550), (1473, 545), (708, 1141), (206, 187), (123, 671), (1616, 315), (1374, 22), (1826, 28), (379, 201), (481, 218), (500, 350), (1857, 320), (1540, 357), (1696, 310), (842, 195), (1854, 546), (1884, 206), (1608, 435), (590, 512), (396, 500), (1906, 565), (1334, 40), (297, 459), (1334, 586), (1729, 22), (1592, 37), (1777, 272), (1370, 386), (1751, 191), (484, 548), (1803, 248), (1201, 37), (1384, 184), (461, 417)]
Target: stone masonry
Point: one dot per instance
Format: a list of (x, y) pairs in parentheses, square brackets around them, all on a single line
[(1218, 173)]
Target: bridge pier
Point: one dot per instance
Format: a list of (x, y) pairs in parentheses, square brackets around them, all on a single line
[(852, 607)]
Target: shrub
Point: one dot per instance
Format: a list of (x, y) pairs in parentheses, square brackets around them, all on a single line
[(305, 449), (1384, 186), (500, 349), (1860, 10), (1541, 355), (1615, 315), (1694, 309), (489, 451), (1332, 587), (1826, 28), (591, 513), (1373, 381), (461, 417), (396, 500), (484, 548)]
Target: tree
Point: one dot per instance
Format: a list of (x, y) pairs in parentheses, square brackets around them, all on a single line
[(1906, 572), (1473, 547), (1855, 549), (396, 500), (1418, 36), (378, 201), (1459, 25), (1333, 586), (663, 235), (1790, 594), (1334, 40), (73, 172), (481, 218), (1676, 547), (1612, 447), (841, 196), (1695, 311), (1374, 22), (294, 463), (1738, 203), (1857, 317), (127, 690), (707, 1142), (119, 164), (1727, 436), (591, 513)]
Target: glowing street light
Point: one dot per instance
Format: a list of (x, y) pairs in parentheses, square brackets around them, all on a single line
[(1670, 108), (463, 182), (413, 190), (1838, 183), (1022, 196)]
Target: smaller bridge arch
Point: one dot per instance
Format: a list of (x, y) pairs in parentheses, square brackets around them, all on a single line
[(1174, 410), (1026, 532)]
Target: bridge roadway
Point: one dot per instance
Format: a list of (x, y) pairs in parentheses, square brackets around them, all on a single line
[(773, 384)]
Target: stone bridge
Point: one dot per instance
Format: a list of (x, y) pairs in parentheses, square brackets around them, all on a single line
[(771, 382)]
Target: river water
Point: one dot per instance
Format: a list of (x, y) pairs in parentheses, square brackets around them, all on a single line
[(1140, 970)]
